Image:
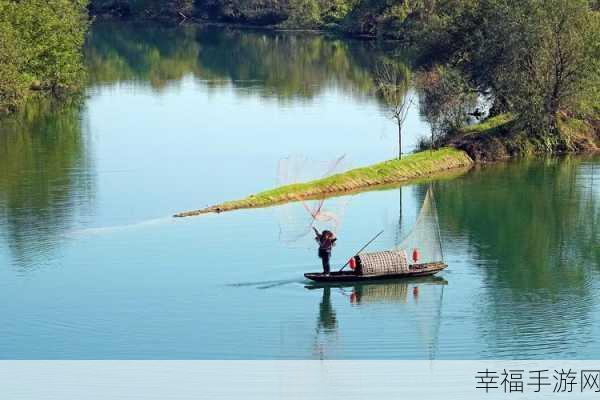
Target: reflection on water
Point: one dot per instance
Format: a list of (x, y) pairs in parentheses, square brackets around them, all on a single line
[(178, 118), (46, 177), (274, 64), (420, 300), (537, 226), (545, 217), (327, 321), (148, 55)]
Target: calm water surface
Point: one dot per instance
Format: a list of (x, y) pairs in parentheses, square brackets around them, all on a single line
[(93, 267)]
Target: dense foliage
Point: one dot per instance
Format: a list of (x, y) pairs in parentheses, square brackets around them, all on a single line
[(534, 58), (446, 100), (293, 13), (143, 8), (40, 47)]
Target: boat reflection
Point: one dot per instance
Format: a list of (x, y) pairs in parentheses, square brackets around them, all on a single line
[(387, 291), (419, 300)]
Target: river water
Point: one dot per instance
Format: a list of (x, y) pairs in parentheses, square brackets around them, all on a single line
[(92, 266)]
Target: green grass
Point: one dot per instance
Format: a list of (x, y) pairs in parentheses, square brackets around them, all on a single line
[(415, 164), (413, 167), (489, 126), (502, 137)]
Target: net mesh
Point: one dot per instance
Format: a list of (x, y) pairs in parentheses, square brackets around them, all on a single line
[(425, 235), (297, 219)]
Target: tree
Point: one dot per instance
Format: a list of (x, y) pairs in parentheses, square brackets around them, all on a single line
[(392, 81), (550, 59), (446, 100), (40, 47), (13, 84), (535, 57)]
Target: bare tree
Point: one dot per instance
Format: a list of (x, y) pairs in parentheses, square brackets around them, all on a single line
[(392, 84)]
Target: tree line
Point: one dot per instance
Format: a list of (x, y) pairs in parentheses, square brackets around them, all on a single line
[(533, 63), (536, 60)]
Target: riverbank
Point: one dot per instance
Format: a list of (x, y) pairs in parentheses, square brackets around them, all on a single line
[(426, 164), (501, 138)]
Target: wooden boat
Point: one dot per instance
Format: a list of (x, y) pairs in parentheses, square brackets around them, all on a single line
[(405, 280), (414, 270), (424, 240)]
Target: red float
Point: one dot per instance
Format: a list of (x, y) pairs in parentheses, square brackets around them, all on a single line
[(352, 263), (416, 255)]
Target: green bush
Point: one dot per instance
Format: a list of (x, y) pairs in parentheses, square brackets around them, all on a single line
[(40, 47)]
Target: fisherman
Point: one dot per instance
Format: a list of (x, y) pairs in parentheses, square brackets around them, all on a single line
[(326, 241)]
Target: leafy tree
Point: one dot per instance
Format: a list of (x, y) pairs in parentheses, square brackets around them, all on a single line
[(40, 47), (538, 56), (336, 10), (13, 84), (446, 100), (534, 58)]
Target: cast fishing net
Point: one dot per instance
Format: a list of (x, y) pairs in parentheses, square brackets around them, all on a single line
[(297, 219)]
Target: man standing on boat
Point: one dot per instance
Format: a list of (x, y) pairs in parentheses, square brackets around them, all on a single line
[(326, 241)]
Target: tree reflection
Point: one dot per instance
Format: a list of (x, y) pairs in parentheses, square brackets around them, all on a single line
[(141, 53), (45, 176), (535, 226), (532, 217), (282, 65), (272, 64)]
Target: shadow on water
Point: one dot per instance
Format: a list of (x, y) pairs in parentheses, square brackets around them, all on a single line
[(46, 177)]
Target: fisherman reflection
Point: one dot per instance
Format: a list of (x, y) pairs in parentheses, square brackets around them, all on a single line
[(326, 331), (327, 320)]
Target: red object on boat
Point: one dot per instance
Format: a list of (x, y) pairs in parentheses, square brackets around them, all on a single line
[(416, 255), (352, 263)]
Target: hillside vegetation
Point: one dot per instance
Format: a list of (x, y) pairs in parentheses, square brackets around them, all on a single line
[(40, 48), (292, 13)]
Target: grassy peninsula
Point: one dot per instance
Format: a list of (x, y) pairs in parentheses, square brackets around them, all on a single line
[(413, 167)]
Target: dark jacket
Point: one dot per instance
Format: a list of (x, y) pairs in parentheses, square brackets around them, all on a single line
[(326, 241)]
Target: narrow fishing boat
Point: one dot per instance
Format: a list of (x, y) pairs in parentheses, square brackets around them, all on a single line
[(424, 240), (383, 289), (414, 270)]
